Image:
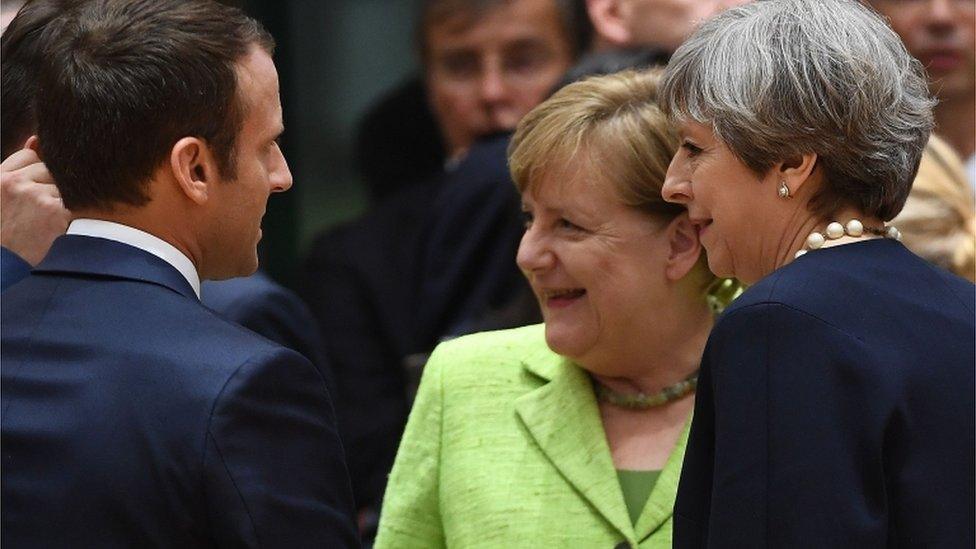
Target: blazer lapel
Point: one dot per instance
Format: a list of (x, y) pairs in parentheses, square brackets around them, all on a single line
[(660, 504), (563, 419), (105, 258)]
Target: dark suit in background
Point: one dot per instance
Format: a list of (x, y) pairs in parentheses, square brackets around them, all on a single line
[(835, 408), (470, 239), (271, 310), (183, 430), (359, 281)]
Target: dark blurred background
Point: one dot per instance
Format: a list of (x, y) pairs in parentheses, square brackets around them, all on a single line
[(335, 58)]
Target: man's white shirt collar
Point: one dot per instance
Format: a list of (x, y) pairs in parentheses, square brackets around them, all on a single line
[(136, 238)]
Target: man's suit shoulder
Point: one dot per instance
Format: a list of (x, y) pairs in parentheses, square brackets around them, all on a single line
[(148, 324)]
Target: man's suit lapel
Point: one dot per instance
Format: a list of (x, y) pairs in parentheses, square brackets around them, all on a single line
[(563, 418), (100, 257)]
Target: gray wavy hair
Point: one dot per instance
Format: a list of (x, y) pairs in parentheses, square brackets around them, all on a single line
[(780, 78)]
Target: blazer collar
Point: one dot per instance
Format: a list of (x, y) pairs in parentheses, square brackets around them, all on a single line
[(100, 257), (660, 504), (563, 418)]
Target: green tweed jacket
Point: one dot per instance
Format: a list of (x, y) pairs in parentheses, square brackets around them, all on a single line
[(505, 448)]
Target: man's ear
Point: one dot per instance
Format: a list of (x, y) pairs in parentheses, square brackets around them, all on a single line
[(33, 143), (684, 247), (194, 169), (796, 171), (610, 21)]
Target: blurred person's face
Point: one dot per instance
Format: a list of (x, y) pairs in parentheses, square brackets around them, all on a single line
[(484, 73), (940, 34), (666, 24)]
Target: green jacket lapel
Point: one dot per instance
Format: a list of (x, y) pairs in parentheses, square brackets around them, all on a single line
[(563, 418), (660, 504)]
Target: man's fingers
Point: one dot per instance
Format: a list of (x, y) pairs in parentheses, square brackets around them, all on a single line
[(19, 159), (37, 173)]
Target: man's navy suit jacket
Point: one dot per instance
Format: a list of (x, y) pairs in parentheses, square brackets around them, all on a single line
[(134, 417)]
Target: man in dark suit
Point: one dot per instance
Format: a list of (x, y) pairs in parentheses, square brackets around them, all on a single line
[(132, 415), (32, 215)]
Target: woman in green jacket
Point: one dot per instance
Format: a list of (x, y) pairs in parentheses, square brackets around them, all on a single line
[(571, 433)]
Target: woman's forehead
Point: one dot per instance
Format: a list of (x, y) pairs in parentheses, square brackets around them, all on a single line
[(571, 184)]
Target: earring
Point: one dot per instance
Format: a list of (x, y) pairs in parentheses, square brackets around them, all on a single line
[(784, 191)]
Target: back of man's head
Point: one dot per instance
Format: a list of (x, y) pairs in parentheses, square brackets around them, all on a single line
[(123, 80), (20, 49)]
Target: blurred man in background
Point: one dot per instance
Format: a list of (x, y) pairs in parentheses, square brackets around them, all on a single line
[(942, 35), (656, 24), (487, 64)]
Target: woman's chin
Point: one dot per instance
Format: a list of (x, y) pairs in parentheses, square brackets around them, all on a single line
[(719, 266), (564, 340)]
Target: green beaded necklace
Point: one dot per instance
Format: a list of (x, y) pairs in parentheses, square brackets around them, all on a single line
[(640, 401)]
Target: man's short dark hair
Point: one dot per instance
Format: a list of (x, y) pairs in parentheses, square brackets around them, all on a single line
[(123, 80), (572, 14), (20, 48)]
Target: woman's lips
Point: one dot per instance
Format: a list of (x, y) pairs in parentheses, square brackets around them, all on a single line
[(558, 299)]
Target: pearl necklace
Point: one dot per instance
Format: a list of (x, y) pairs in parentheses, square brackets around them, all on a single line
[(640, 401), (854, 228)]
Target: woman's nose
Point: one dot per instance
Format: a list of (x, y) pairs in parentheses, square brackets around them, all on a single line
[(533, 255)]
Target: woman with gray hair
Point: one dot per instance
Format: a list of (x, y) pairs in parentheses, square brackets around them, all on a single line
[(836, 397)]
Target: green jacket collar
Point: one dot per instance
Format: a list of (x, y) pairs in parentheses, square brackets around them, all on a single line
[(563, 418)]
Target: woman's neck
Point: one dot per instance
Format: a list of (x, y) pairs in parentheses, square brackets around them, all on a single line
[(660, 360), (805, 223)]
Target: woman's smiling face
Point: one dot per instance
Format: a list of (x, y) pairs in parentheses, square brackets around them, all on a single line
[(728, 202), (595, 264)]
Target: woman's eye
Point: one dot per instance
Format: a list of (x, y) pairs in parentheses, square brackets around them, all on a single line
[(692, 149), (526, 219), (567, 224)]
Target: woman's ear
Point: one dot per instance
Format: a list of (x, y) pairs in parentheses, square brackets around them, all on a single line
[(796, 171), (684, 247), (609, 21), (193, 168)]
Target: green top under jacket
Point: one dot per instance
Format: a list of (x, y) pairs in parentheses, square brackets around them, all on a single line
[(505, 448)]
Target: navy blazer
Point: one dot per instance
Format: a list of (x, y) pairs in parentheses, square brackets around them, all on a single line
[(269, 309), (135, 417), (13, 268), (255, 302), (470, 241), (835, 408)]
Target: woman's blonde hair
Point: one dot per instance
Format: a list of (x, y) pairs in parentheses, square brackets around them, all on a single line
[(938, 221), (614, 126), (613, 120)]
